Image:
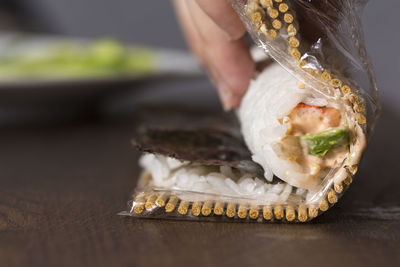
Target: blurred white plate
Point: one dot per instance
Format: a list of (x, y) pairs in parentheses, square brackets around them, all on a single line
[(164, 63), (46, 96)]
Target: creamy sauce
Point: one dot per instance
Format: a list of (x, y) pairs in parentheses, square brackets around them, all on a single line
[(307, 119)]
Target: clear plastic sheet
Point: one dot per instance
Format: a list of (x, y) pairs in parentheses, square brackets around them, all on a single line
[(320, 43)]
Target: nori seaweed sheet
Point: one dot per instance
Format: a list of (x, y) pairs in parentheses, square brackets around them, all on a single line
[(213, 142)]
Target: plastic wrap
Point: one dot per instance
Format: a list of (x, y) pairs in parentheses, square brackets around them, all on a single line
[(320, 44)]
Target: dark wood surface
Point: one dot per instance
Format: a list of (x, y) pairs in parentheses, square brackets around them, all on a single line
[(62, 187)]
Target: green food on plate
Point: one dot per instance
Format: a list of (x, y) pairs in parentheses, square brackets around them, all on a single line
[(68, 59)]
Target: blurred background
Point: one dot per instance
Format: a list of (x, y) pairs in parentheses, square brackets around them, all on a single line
[(151, 24), (62, 185)]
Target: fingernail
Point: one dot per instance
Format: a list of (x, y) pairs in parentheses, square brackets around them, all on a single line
[(225, 95), (230, 37)]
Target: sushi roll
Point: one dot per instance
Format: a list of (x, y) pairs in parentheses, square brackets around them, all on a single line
[(296, 140), (304, 118), (297, 134)]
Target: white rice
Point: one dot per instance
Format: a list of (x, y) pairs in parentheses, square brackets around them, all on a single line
[(270, 98), (169, 173)]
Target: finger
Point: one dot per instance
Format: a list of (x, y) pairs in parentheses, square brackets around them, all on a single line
[(222, 13), (197, 45), (193, 38), (229, 61)]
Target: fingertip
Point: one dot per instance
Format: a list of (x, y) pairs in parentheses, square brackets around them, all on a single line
[(234, 72), (235, 102), (237, 72), (229, 63), (229, 99)]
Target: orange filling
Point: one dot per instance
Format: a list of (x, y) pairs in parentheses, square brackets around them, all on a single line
[(307, 119)]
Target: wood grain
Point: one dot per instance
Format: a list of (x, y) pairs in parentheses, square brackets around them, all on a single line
[(61, 188)]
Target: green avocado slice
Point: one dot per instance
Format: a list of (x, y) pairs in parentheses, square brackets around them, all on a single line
[(69, 59)]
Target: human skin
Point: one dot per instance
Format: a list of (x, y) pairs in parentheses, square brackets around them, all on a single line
[(215, 34)]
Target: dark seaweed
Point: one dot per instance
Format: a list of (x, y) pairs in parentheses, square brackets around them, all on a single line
[(216, 143)]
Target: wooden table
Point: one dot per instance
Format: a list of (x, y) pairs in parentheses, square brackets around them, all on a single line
[(62, 187)]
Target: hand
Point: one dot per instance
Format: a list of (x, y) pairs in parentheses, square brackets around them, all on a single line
[(215, 34)]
